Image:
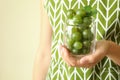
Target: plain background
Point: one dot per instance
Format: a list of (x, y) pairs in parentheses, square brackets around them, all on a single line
[(19, 38)]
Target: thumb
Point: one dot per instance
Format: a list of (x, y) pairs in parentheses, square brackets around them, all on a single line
[(92, 58)]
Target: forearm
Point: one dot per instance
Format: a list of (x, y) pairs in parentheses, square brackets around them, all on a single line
[(114, 52), (41, 66)]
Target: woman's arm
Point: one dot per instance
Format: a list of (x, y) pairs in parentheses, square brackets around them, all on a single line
[(114, 52), (103, 48), (43, 56)]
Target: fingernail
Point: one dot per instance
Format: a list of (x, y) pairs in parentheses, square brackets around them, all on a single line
[(83, 61), (63, 49)]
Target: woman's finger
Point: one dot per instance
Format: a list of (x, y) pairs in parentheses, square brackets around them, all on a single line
[(69, 58)]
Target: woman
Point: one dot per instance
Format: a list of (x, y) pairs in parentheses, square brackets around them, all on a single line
[(101, 65)]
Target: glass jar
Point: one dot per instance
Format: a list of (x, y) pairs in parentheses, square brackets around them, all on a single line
[(80, 39)]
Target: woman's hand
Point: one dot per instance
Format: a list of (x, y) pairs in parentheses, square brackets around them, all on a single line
[(89, 60)]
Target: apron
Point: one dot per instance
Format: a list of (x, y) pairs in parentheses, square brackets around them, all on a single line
[(108, 27)]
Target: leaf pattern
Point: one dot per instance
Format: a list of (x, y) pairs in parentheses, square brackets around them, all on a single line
[(108, 27)]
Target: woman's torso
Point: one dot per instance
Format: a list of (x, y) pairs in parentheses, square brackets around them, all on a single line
[(108, 27)]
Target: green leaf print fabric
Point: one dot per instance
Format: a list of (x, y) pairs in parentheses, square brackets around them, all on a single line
[(108, 27)]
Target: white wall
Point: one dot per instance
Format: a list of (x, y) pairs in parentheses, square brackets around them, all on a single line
[(19, 38)]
